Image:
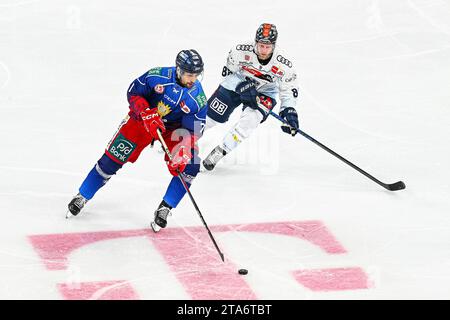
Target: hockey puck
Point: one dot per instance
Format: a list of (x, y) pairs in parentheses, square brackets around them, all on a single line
[(243, 271)]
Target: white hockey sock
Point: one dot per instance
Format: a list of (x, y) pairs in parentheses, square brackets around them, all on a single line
[(248, 122), (210, 123)]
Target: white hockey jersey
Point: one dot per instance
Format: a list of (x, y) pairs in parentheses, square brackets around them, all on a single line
[(277, 79)]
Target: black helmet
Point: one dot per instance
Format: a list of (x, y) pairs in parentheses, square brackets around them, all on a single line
[(189, 61), (266, 33)]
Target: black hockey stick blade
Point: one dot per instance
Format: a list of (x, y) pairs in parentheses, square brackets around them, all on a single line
[(400, 185)]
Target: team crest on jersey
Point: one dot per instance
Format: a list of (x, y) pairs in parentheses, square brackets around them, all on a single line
[(277, 71), (159, 89), (163, 109), (184, 107)]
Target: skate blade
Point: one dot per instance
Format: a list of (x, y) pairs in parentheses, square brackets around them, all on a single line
[(155, 227), (69, 214)]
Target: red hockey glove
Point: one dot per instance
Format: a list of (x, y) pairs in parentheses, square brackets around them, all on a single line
[(137, 105), (153, 122), (180, 159), (264, 102)]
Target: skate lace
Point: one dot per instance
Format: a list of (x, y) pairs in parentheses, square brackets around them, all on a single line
[(216, 155), (163, 213), (80, 201)]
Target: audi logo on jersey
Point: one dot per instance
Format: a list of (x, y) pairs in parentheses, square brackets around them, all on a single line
[(244, 47), (284, 61)]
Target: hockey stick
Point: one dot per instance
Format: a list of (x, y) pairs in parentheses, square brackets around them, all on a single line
[(167, 151), (399, 185)]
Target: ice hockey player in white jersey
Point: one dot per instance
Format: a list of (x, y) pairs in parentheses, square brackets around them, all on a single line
[(256, 74)]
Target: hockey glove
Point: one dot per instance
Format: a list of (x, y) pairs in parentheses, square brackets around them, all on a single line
[(248, 93), (137, 105), (153, 122), (290, 115), (180, 158)]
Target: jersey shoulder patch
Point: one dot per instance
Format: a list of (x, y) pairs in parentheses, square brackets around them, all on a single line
[(160, 72), (155, 71), (201, 99), (197, 94)]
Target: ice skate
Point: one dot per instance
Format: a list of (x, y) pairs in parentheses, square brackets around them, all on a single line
[(75, 205), (160, 220), (213, 158)]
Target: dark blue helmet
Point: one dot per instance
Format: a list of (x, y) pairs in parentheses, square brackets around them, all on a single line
[(267, 33), (189, 61)]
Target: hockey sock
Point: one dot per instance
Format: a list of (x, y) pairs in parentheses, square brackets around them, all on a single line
[(103, 170), (248, 122), (232, 139), (175, 192), (165, 204)]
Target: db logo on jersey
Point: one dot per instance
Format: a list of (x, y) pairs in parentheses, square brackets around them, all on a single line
[(159, 89), (184, 107)]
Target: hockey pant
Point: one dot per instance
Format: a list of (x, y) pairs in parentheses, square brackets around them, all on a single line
[(126, 146), (221, 104)]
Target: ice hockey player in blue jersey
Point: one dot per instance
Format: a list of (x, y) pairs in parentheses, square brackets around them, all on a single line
[(168, 99)]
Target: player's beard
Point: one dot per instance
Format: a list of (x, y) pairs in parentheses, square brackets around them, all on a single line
[(189, 84)]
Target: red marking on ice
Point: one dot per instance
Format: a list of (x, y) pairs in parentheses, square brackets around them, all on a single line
[(55, 248), (197, 265), (333, 279), (314, 232), (192, 257), (109, 290)]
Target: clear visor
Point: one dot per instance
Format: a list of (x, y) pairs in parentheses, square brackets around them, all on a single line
[(189, 75)]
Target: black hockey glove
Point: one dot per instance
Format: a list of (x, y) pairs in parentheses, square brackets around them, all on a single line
[(290, 115), (247, 92)]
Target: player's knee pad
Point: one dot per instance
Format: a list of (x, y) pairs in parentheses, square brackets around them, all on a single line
[(106, 167), (210, 123), (192, 168), (222, 103), (190, 172), (249, 120)]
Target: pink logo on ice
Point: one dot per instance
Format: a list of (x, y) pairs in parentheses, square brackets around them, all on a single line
[(192, 258)]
